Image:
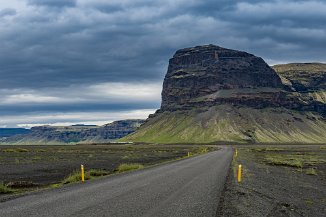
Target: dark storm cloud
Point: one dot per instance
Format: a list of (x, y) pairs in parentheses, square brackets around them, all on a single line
[(132, 40), (76, 107), (56, 47), (53, 3)]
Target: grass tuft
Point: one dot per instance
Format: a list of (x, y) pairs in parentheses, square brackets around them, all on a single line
[(76, 175), (266, 149), (21, 184), (4, 189), (311, 171), (202, 150), (127, 167), (97, 172), (73, 178)]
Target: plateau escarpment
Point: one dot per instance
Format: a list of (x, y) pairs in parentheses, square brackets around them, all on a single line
[(216, 94), (76, 133)]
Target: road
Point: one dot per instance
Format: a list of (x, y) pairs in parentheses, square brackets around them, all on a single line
[(188, 188)]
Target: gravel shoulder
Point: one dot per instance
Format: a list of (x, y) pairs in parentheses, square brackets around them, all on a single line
[(277, 181)]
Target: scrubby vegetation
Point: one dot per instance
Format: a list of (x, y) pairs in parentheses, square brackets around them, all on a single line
[(21, 184), (279, 160), (98, 172), (4, 189), (76, 175), (15, 150), (294, 160), (297, 158), (73, 178), (127, 167), (288, 157), (311, 171)]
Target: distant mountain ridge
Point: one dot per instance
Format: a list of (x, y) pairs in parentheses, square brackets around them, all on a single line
[(214, 94), (76, 133), (7, 132)]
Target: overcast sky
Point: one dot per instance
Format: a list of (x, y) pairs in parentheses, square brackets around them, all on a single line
[(95, 61)]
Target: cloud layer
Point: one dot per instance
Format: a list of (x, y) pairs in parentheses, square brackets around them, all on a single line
[(72, 55)]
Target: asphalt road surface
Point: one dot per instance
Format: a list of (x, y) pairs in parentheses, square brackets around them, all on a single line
[(190, 187)]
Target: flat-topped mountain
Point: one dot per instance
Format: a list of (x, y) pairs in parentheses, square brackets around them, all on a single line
[(213, 94), (211, 74)]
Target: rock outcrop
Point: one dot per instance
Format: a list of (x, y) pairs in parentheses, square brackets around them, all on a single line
[(217, 94), (303, 77), (307, 79)]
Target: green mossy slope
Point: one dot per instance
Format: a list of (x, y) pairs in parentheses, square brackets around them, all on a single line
[(229, 123)]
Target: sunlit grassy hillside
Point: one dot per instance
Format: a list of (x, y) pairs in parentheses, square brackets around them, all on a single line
[(228, 123)]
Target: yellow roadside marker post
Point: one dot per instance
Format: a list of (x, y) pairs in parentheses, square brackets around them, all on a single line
[(236, 152), (188, 154), (82, 173), (239, 173)]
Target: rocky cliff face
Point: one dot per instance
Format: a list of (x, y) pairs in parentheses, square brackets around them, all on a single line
[(211, 75), (217, 94), (77, 133)]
